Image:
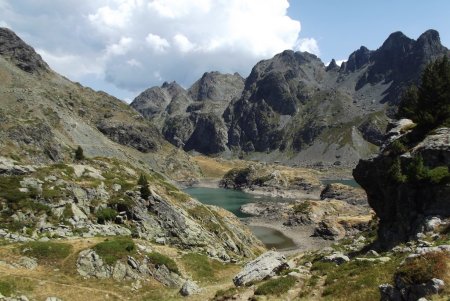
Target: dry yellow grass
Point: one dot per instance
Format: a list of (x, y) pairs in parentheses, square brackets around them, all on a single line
[(216, 167), (62, 280)]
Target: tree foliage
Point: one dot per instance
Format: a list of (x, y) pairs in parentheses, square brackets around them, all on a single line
[(428, 105), (145, 190), (79, 155)]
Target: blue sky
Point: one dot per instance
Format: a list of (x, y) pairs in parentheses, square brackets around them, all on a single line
[(341, 27), (126, 46)]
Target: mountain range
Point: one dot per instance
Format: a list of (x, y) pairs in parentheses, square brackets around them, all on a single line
[(293, 108)]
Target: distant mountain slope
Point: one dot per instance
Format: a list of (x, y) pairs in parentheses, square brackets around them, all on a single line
[(192, 118), (44, 116), (295, 109)]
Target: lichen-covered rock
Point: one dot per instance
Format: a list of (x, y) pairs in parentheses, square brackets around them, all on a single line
[(265, 266)]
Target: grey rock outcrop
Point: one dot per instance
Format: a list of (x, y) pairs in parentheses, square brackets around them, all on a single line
[(404, 206), (405, 292), (142, 138), (337, 257), (21, 54), (90, 264), (351, 195), (265, 266), (189, 288)]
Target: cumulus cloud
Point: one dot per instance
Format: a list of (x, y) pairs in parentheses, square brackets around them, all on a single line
[(134, 44), (309, 44)]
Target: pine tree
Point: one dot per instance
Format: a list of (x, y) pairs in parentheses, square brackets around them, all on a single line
[(145, 190), (429, 104), (79, 154)]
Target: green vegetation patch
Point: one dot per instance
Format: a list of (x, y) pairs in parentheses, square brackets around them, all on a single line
[(202, 268), (115, 249), (357, 280), (6, 288), (160, 259), (46, 250), (106, 214), (276, 286), (302, 208), (10, 285), (9, 188)]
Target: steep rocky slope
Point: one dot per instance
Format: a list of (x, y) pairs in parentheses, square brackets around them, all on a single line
[(104, 202), (191, 118), (45, 116), (293, 108)]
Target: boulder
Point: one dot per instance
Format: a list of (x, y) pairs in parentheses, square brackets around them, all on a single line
[(189, 288), (336, 257), (265, 266), (329, 230), (90, 264)]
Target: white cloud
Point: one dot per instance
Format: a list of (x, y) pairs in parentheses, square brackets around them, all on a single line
[(3, 24), (134, 63), (308, 44), (73, 66), (157, 43), (135, 44), (339, 62), (183, 44)]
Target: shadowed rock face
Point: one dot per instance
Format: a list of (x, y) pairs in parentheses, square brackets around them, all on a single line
[(21, 54), (191, 119), (404, 206), (293, 102)]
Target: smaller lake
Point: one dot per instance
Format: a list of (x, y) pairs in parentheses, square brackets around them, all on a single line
[(232, 200), (348, 182)]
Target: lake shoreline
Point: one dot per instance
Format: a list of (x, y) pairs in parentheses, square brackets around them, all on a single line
[(301, 235)]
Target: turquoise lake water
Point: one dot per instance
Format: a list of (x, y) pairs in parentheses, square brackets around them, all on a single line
[(232, 200), (349, 182)]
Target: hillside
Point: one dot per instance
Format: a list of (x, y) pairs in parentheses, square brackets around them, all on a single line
[(45, 117), (294, 109)]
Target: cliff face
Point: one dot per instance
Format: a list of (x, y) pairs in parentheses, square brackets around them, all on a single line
[(191, 119), (407, 185)]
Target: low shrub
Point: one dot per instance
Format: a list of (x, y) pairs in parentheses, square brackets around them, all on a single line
[(160, 259), (423, 268), (302, 208), (106, 214), (115, 249), (6, 288), (439, 175), (276, 286)]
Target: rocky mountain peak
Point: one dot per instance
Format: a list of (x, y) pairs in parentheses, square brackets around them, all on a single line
[(332, 66), (216, 86), (358, 59), (22, 55), (429, 43), (396, 40)]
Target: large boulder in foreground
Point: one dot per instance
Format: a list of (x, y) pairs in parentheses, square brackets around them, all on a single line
[(407, 184), (265, 266)]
